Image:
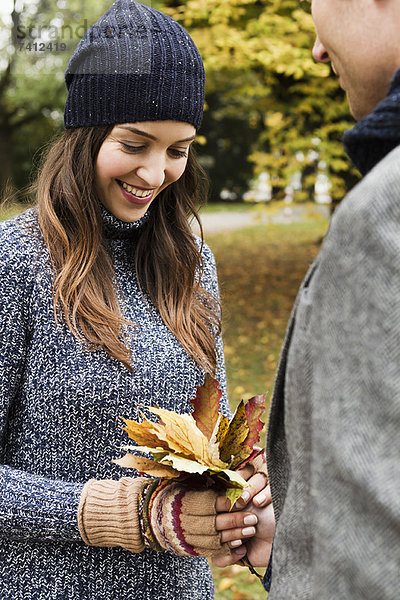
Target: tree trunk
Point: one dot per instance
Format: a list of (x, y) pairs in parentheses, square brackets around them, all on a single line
[(6, 163)]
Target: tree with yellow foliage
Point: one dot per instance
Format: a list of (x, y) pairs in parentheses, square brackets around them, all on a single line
[(257, 55)]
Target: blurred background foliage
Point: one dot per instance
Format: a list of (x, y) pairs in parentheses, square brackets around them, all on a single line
[(269, 107)]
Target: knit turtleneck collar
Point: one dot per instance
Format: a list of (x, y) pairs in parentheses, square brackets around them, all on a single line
[(378, 133), (116, 229)]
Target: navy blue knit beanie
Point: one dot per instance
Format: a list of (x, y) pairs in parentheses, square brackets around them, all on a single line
[(135, 64)]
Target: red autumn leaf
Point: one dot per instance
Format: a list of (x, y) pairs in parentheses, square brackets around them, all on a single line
[(254, 409), (206, 405)]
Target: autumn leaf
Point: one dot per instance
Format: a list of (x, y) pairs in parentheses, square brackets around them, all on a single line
[(213, 455), (233, 494), (252, 455), (182, 434), (146, 465), (184, 464), (206, 405), (204, 445), (225, 584), (241, 457), (234, 477), (220, 430), (143, 433), (237, 432), (254, 409)]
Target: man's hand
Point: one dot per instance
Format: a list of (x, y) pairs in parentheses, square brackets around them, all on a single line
[(250, 526)]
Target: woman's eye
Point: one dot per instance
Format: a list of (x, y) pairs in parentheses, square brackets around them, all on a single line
[(130, 148), (178, 153)]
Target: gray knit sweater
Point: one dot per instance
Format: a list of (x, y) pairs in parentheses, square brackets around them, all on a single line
[(59, 405)]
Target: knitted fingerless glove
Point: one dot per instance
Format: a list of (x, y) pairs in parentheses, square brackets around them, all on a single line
[(259, 465), (180, 520), (108, 513), (135, 513)]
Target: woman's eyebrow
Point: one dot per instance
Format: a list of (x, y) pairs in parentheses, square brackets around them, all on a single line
[(189, 139), (152, 137)]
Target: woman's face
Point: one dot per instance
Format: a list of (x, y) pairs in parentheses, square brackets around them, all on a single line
[(138, 160)]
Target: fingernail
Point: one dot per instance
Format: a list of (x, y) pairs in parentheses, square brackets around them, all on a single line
[(250, 520), (245, 497), (260, 498), (248, 531), (236, 543)]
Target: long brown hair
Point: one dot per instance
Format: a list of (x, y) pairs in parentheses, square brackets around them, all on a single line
[(168, 262)]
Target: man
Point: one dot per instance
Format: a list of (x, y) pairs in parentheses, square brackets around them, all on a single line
[(333, 447)]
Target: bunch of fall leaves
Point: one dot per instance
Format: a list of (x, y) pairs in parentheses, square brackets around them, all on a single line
[(204, 447)]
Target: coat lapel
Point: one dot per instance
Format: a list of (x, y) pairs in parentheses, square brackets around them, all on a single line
[(277, 455)]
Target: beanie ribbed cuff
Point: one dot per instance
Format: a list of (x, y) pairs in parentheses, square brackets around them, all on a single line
[(111, 99)]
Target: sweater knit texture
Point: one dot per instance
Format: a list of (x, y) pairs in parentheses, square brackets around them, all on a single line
[(59, 405)]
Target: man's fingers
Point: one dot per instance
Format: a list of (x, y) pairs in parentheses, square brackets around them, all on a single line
[(235, 556), (256, 484)]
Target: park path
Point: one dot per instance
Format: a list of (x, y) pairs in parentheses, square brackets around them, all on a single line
[(225, 221), (230, 220)]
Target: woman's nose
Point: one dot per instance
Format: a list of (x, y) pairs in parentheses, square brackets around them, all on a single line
[(152, 171), (319, 52)]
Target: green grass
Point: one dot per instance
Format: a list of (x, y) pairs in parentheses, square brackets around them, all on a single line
[(237, 583), (260, 270), (10, 210)]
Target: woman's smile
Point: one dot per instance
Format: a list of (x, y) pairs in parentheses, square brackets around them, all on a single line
[(135, 194)]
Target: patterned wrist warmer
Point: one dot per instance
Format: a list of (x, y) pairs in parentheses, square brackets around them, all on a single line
[(181, 520), (146, 498)]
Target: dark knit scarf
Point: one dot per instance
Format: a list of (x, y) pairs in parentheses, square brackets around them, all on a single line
[(378, 133)]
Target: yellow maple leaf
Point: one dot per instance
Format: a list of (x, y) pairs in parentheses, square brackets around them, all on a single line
[(213, 456), (146, 465), (182, 434), (144, 434)]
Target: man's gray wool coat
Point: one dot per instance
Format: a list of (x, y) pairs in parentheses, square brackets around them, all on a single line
[(333, 447)]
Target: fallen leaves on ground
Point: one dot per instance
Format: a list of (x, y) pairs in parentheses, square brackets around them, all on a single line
[(259, 270)]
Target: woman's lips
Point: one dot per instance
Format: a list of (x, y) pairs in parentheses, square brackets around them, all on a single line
[(131, 196)]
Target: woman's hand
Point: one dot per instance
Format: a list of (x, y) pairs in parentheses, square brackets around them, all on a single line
[(249, 528)]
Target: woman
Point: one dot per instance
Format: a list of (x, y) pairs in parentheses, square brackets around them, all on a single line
[(108, 305)]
